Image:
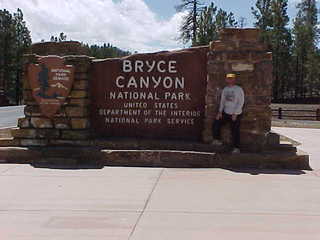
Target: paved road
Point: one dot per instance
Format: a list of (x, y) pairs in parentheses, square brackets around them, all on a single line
[(10, 115), (162, 204)]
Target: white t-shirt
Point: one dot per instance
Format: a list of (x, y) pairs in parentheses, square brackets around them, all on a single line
[(232, 100)]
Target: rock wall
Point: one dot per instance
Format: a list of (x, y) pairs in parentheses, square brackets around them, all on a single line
[(71, 124), (239, 51)]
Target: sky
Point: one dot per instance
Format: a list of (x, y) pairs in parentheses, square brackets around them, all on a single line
[(133, 25)]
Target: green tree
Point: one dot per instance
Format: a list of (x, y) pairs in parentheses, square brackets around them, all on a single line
[(189, 27), (272, 19), (262, 14), (210, 22), (242, 22), (281, 42), (22, 43), (206, 25), (105, 51), (14, 40), (6, 43), (62, 37), (306, 35)]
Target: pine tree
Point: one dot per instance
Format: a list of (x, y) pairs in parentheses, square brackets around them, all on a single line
[(14, 40), (188, 29), (281, 42), (262, 13), (272, 19), (306, 35), (22, 42), (62, 37), (210, 22), (105, 51), (206, 28), (242, 22), (7, 41)]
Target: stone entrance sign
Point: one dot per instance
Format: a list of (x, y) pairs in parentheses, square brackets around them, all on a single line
[(160, 95), (51, 83), (151, 110)]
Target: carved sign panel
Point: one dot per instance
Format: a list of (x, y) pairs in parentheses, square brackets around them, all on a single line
[(160, 95), (51, 82)]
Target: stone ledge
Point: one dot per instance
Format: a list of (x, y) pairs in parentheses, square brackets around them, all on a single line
[(178, 159), (5, 132), (154, 145), (17, 155), (145, 158), (78, 138), (9, 142)]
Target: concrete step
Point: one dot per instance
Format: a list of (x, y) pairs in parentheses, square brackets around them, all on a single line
[(282, 147)]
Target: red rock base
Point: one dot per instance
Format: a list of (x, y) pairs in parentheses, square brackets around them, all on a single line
[(96, 157)]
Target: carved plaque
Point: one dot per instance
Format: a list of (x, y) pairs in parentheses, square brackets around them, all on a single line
[(157, 95), (51, 82)]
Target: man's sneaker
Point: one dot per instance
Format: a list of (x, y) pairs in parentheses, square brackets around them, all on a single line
[(235, 151), (216, 142)]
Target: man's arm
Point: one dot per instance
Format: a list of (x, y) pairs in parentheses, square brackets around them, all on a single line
[(239, 104), (221, 106)]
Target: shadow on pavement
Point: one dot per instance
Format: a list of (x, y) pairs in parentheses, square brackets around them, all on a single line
[(268, 171), (67, 167)]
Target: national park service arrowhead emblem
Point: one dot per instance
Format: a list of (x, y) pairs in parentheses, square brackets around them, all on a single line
[(51, 82)]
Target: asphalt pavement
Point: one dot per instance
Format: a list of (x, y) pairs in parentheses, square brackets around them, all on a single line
[(162, 204)]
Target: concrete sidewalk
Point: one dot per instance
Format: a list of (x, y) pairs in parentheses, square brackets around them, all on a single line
[(155, 203), (309, 139)]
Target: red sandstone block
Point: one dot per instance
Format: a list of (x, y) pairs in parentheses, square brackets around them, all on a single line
[(238, 56), (81, 76), (80, 123), (251, 35), (37, 122), (33, 142), (223, 46), (27, 95), (79, 102), (261, 56), (61, 142), (9, 142), (242, 67), (23, 133), (77, 112), (79, 94), (75, 134), (24, 123), (251, 46), (215, 67), (80, 85), (26, 84), (32, 111), (62, 123), (48, 133)]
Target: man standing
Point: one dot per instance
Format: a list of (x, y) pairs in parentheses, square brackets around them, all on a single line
[(230, 110)]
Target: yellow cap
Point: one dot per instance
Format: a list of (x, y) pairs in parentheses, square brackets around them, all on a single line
[(231, 75)]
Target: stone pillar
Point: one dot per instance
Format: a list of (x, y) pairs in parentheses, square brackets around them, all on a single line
[(239, 51), (71, 124)]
